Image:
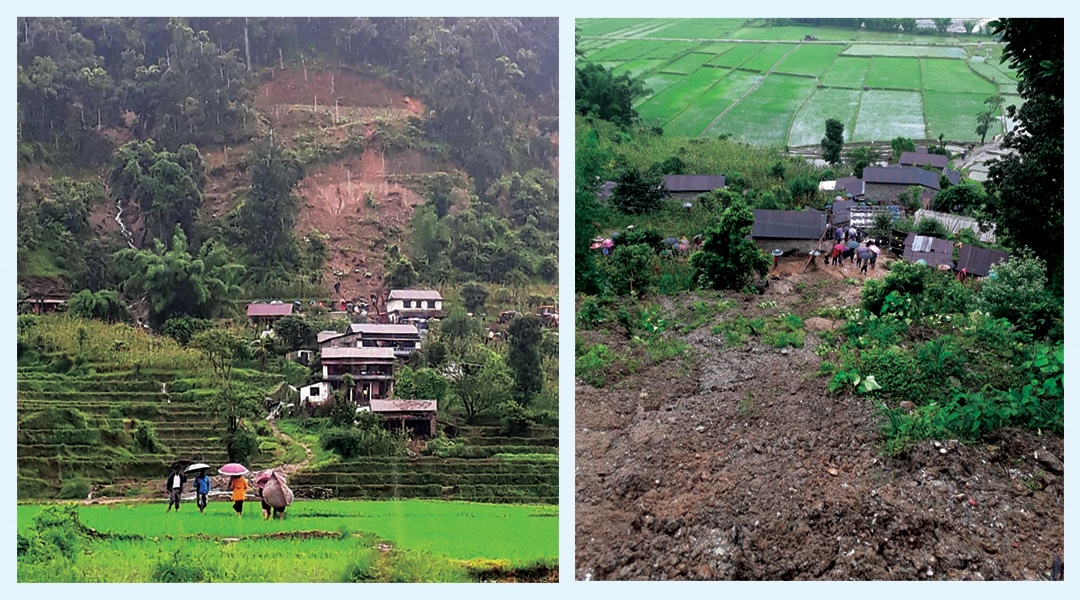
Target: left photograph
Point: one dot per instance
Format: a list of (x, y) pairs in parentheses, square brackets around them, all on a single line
[(288, 299)]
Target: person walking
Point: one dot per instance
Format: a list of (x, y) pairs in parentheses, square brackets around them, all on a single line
[(238, 485), (202, 488), (174, 483)]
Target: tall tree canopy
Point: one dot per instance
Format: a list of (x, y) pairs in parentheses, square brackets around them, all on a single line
[(600, 94), (1027, 190), (268, 215), (833, 142), (175, 283), (167, 186)]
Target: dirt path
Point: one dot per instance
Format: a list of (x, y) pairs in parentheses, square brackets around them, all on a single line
[(743, 467), (289, 469)]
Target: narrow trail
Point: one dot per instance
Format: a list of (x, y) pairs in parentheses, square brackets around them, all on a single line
[(289, 469)]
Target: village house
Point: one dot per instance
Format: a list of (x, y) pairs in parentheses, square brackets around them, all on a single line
[(688, 187), (978, 261), (404, 338), (372, 370), (928, 249), (954, 223), (788, 229), (265, 314), (885, 184), (414, 304), (416, 415)]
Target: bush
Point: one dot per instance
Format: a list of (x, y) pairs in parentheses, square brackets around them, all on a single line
[(1016, 290), (367, 441), (181, 567), (241, 445), (74, 489)]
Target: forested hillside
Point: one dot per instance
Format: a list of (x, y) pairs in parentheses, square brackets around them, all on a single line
[(366, 152)]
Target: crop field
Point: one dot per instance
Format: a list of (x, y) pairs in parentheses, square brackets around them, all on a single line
[(319, 541), (767, 85), (889, 72)]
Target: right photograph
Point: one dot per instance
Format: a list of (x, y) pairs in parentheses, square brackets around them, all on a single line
[(819, 270)]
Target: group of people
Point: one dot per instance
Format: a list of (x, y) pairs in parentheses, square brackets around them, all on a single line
[(238, 485), (851, 244)]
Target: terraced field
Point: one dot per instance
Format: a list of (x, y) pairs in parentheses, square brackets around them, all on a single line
[(109, 432), (492, 468), (769, 86)]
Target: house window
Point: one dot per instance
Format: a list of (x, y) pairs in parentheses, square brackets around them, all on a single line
[(313, 391)]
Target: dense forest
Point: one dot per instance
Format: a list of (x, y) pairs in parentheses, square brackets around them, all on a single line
[(126, 110)]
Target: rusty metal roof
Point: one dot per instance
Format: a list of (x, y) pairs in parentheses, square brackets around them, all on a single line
[(383, 406), (352, 352), (788, 224), (934, 251), (978, 261), (901, 176), (269, 310), (694, 183)]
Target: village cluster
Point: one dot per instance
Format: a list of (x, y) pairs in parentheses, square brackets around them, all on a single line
[(839, 233)]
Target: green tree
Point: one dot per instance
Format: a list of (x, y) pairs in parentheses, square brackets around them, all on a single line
[(177, 283), (267, 217), (167, 186), (220, 348), (969, 26), (833, 142), (963, 199), (474, 297), (523, 357), (942, 25), (900, 145), (638, 193), (881, 226), (103, 305), (631, 269), (862, 157), (1026, 190), (1017, 292), (728, 259), (909, 25), (932, 228), (602, 95), (294, 332), (420, 384), (485, 384)]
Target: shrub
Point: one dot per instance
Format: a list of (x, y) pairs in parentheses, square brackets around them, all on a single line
[(180, 566), (74, 489), (1016, 290)]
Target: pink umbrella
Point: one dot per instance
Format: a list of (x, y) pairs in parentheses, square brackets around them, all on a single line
[(608, 243), (233, 469), (874, 249)]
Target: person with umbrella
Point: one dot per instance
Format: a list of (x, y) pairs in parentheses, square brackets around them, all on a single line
[(237, 484), (874, 251), (838, 254), (173, 484), (864, 260), (201, 484)]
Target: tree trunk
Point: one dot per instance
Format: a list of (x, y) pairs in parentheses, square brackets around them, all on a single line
[(247, 46)]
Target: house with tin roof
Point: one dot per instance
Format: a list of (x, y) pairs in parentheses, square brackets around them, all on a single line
[(414, 304), (788, 229), (692, 186)]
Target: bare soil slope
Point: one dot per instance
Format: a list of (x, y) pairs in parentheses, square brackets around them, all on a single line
[(684, 477)]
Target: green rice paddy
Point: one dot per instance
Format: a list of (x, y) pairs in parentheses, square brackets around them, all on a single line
[(767, 85), (318, 541)]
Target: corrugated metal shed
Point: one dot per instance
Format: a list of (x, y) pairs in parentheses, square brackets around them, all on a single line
[(381, 406), (269, 310), (694, 183), (788, 224), (901, 176), (934, 251), (955, 223), (978, 261), (919, 159), (954, 176)]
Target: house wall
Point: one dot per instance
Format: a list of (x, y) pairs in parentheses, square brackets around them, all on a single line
[(316, 393), (397, 305), (801, 246)]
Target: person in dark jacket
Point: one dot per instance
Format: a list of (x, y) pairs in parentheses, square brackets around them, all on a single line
[(202, 488), (174, 483)]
